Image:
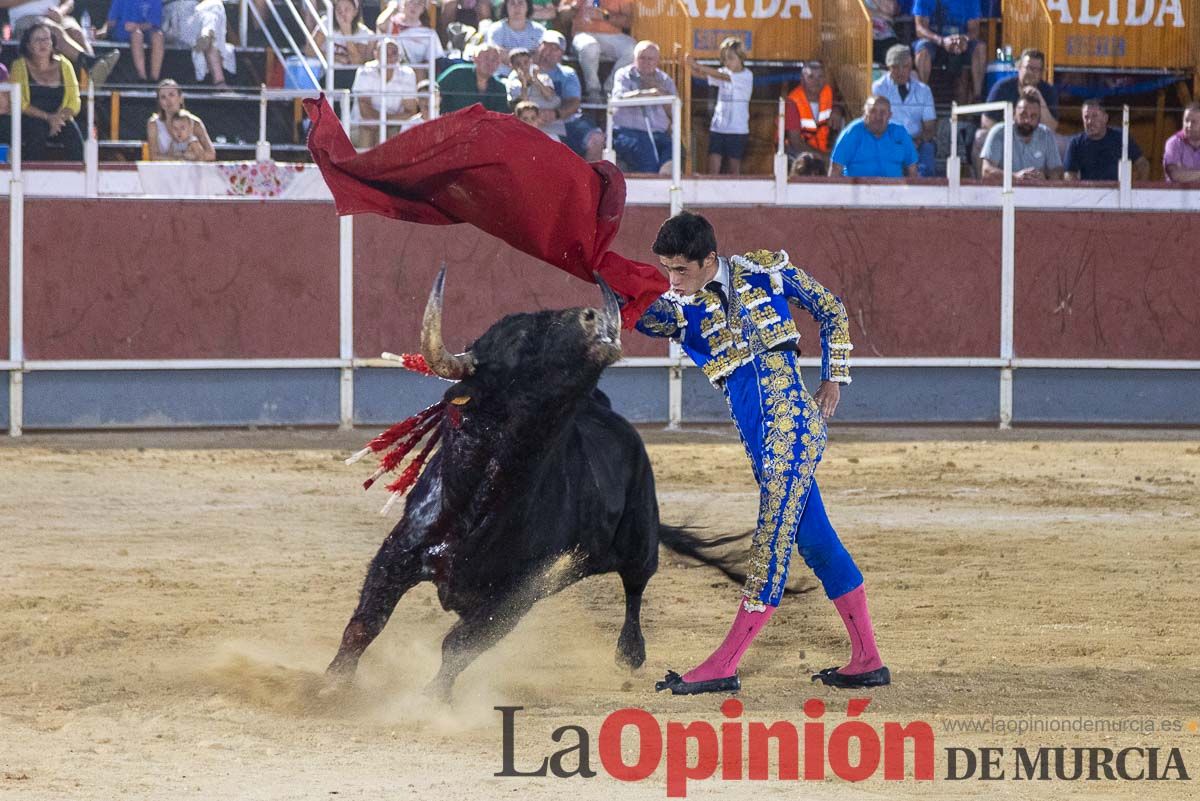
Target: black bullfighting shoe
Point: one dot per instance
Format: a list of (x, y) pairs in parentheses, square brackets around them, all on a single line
[(675, 683), (880, 677)]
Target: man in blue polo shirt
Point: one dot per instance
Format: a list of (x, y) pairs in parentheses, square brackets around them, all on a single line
[(1094, 154), (874, 146)]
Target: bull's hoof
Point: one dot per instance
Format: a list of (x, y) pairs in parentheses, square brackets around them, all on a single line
[(631, 653), (439, 690), (335, 683)]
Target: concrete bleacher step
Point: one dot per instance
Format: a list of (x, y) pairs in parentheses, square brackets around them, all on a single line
[(229, 115)]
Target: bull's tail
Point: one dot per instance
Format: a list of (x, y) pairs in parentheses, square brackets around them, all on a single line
[(681, 540)]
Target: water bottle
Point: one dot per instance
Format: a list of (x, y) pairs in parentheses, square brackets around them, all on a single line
[(85, 22)]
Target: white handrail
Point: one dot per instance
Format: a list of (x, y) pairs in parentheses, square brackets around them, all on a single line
[(262, 148), (91, 147), (16, 266), (1007, 239)]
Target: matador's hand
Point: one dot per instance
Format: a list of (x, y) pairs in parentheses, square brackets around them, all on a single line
[(827, 397)]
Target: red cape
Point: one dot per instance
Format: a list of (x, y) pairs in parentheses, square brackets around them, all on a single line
[(498, 174)]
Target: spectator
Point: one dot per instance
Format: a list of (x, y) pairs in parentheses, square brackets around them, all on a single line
[(69, 38), (464, 84), (1181, 156), (203, 28), (49, 96), (515, 30), (1093, 155), (1035, 151), (132, 22), (883, 31), (158, 131), (912, 105), (948, 36), (465, 12), (812, 118), (730, 129), (874, 147), (1031, 66), (641, 133), (599, 28), (527, 112), (527, 83), (401, 20), (579, 133), (185, 144), (391, 77), (347, 16)]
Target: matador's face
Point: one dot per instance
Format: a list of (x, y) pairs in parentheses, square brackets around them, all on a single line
[(689, 277)]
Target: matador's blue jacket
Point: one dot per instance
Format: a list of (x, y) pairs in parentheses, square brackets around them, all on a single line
[(760, 286)]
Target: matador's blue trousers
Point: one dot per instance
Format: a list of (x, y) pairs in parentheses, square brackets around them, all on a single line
[(784, 435)]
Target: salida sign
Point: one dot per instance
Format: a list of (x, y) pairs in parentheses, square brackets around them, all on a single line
[(770, 29), (1131, 33)]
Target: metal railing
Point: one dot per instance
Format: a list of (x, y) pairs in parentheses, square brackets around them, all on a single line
[(16, 266), (610, 154), (262, 148)]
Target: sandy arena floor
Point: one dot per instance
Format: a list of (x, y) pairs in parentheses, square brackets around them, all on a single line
[(168, 602)]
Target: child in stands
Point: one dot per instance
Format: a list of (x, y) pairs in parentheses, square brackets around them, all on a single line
[(730, 129)]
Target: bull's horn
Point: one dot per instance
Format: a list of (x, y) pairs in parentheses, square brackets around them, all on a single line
[(440, 360), (611, 311)]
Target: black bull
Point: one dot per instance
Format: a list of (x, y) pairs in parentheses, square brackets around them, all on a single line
[(534, 466)]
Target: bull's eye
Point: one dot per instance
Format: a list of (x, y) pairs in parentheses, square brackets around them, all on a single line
[(461, 400), (589, 315)]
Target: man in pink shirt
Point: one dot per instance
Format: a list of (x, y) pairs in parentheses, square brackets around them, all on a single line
[(1181, 156)]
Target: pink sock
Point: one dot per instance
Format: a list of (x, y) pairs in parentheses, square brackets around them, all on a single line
[(724, 661), (864, 655)]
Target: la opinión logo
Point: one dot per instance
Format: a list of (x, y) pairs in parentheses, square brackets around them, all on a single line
[(739, 750)]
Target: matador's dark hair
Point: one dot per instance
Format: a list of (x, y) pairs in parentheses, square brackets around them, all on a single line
[(688, 235)]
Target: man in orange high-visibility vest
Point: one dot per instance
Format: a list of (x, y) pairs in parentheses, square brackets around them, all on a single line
[(812, 117)]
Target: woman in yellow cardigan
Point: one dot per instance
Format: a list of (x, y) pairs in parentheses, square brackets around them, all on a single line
[(49, 97)]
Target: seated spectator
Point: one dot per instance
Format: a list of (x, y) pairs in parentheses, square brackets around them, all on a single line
[(401, 19), (730, 129), (948, 36), (1031, 66), (69, 38), (577, 132), (813, 118), (185, 144), (527, 112), (1035, 151), (133, 22), (641, 134), (1181, 156), (465, 12), (465, 84), (527, 83), (599, 28), (1094, 154), (158, 130), (49, 97), (883, 32), (874, 146), (391, 77), (347, 17), (912, 106), (203, 27), (515, 30)]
